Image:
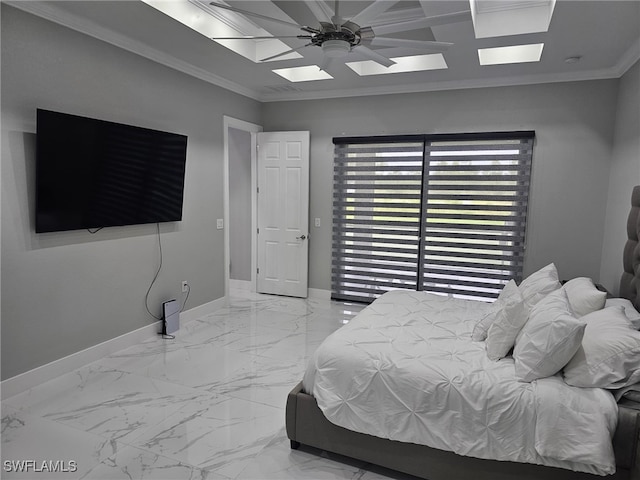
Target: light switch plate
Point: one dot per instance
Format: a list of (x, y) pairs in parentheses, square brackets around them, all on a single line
[(317, 222), (220, 223)]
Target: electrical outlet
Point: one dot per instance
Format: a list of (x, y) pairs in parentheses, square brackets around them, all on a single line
[(220, 223), (185, 286), (317, 222)]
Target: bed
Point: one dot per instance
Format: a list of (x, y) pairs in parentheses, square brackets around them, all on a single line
[(453, 412)]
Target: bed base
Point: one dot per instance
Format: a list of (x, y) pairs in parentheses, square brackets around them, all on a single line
[(306, 425)]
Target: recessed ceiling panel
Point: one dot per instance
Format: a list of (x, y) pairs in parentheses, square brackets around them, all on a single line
[(512, 54), (415, 63), (303, 74), (497, 18), (216, 23)]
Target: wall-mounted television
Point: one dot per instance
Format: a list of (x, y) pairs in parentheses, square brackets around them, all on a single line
[(93, 173)]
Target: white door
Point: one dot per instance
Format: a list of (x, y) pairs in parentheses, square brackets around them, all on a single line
[(283, 213)]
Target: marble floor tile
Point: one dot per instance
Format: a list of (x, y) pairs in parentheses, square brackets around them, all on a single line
[(107, 402), (192, 365), (138, 464), (220, 436), (277, 461), (56, 450), (264, 380), (208, 404)]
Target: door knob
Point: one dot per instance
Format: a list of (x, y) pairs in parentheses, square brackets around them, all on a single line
[(302, 237)]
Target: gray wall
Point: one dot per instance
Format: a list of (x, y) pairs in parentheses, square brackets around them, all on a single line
[(572, 156), (240, 204), (625, 174), (64, 292)]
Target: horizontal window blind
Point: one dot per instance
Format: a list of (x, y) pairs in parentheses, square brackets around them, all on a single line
[(475, 202), (376, 218), (441, 213)]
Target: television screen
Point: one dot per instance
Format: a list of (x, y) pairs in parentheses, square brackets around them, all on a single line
[(92, 173)]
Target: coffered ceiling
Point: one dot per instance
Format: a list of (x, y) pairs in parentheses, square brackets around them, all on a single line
[(583, 40)]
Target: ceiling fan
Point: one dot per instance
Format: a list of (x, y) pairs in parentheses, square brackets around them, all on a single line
[(338, 37)]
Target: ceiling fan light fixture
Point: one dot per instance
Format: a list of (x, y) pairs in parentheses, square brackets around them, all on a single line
[(336, 48)]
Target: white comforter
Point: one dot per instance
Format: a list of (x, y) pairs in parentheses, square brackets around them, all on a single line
[(406, 369)]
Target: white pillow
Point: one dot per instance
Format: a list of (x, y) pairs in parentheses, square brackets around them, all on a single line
[(584, 297), (549, 339), (539, 284), (630, 311), (481, 329), (609, 356), (508, 322)]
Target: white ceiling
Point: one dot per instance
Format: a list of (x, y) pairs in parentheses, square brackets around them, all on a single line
[(605, 34)]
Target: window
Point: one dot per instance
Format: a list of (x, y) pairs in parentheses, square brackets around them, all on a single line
[(441, 213)]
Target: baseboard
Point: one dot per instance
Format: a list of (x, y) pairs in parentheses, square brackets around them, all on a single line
[(241, 285), (24, 381), (247, 286), (319, 293), (202, 310)]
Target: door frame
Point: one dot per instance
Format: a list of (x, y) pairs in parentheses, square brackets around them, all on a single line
[(253, 129)]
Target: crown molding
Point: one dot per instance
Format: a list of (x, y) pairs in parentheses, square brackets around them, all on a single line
[(625, 62), (628, 59), (605, 74), (49, 11)]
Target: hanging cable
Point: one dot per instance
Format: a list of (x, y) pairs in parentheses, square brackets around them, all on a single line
[(186, 298), (146, 297)]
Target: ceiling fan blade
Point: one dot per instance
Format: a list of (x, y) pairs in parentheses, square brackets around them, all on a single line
[(321, 11), (366, 16), (256, 15), (418, 44), (249, 37), (273, 57), (375, 56), (422, 23)]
